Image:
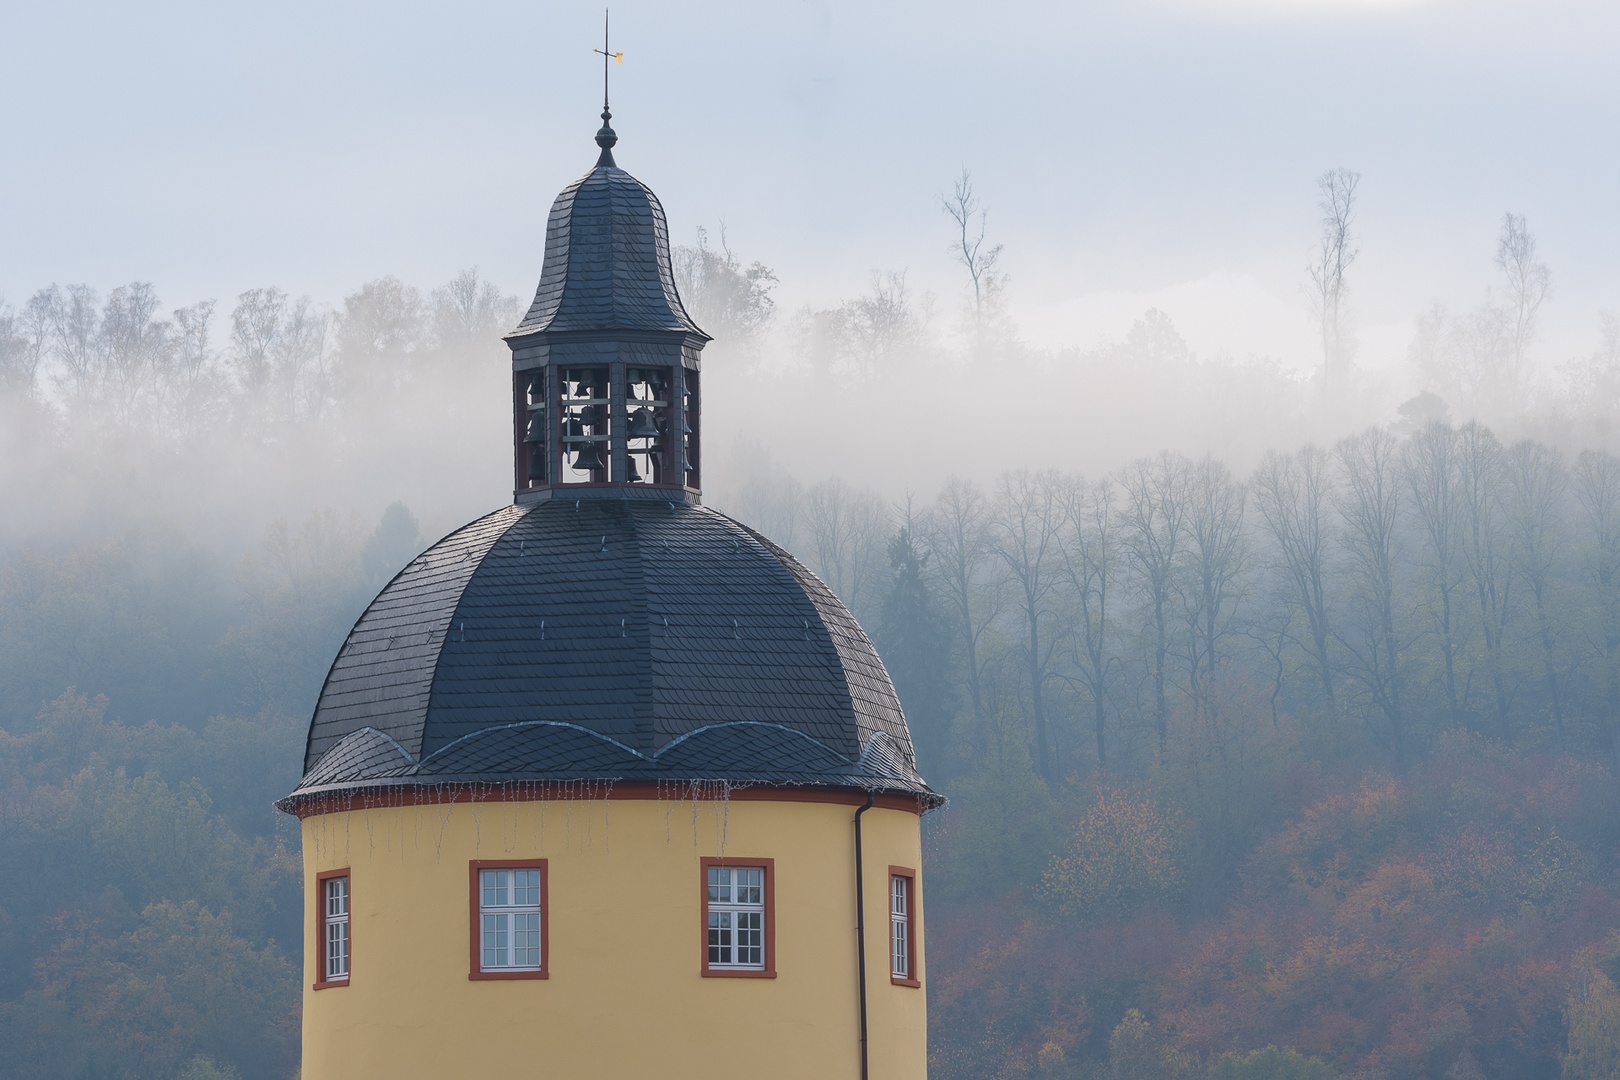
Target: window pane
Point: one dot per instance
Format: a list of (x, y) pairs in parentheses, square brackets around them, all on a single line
[(526, 887), (526, 940), (337, 896), (750, 938), (337, 950), (720, 937), (899, 905)]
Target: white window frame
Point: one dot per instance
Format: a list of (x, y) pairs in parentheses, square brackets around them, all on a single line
[(900, 926), (506, 909), (335, 926), (737, 907)]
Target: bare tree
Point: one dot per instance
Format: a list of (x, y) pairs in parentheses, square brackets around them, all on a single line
[(1528, 284), (1429, 464), (1291, 493), (193, 385), (1597, 487), (850, 531), (301, 362), (1031, 509), (255, 327), (1090, 565), (1153, 518), (729, 300), (1370, 508), (1480, 500), (1335, 253), (378, 337), (1594, 382), (968, 211), (70, 319), (959, 543), (1537, 484), (469, 310), (1215, 554), (20, 353), (882, 321)]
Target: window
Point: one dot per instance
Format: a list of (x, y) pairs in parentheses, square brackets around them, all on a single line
[(739, 935), (507, 912), (903, 926), (334, 943)]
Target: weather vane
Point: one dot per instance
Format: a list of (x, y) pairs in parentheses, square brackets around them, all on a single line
[(606, 56)]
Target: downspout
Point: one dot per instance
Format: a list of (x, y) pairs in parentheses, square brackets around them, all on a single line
[(860, 925)]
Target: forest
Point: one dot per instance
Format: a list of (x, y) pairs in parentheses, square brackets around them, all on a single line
[(1280, 748)]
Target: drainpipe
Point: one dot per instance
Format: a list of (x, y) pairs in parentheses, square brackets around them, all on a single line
[(860, 925)]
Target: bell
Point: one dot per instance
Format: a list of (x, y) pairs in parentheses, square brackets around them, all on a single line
[(537, 465), (537, 428), (642, 425), (588, 459), (635, 475)]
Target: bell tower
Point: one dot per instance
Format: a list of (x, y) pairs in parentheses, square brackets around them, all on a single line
[(605, 364)]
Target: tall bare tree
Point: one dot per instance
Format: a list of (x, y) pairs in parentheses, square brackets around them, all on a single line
[(72, 318), (850, 532), (134, 345), (1216, 553), (968, 211), (1090, 566), (1597, 487), (1537, 483), (1292, 495), (1430, 466), (1480, 501), (958, 532), (1026, 535), (255, 330), (1528, 284), (1369, 505), (1153, 520), (1336, 251)]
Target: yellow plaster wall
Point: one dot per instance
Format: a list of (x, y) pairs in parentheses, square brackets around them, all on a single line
[(625, 997)]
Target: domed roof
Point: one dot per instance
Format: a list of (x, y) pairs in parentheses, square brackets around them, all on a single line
[(607, 261), (608, 639)]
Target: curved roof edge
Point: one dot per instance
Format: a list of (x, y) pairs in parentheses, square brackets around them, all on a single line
[(539, 754)]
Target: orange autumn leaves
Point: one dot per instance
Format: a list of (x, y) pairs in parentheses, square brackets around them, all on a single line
[(1122, 854)]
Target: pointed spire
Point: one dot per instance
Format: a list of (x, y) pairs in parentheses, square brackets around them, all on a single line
[(605, 138)]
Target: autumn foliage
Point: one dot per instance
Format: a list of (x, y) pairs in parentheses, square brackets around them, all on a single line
[(1450, 923)]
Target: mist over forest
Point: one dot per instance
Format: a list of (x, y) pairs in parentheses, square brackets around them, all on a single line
[(1277, 698)]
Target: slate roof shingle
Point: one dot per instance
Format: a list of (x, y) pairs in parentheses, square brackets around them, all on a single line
[(610, 639), (607, 261)]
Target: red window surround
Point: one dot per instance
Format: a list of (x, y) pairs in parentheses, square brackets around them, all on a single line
[(913, 911), (319, 905), (770, 919)]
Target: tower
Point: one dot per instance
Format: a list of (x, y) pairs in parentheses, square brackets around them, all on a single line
[(605, 783)]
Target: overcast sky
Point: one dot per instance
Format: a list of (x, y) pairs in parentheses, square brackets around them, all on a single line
[(1133, 154)]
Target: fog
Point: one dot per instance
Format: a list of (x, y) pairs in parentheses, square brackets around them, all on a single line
[(1130, 157)]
